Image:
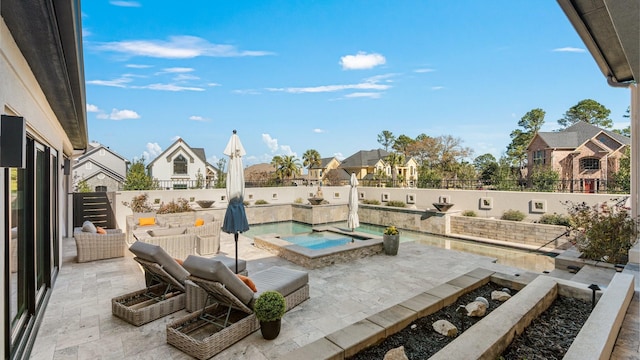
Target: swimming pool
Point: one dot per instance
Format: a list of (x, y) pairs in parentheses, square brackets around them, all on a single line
[(319, 239), (523, 259)]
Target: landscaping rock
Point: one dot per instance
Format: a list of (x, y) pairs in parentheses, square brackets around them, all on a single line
[(396, 354), (483, 300), (500, 295), (476, 309), (445, 328)]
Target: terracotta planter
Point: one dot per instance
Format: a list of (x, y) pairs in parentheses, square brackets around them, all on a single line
[(270, 329), (391, 244)]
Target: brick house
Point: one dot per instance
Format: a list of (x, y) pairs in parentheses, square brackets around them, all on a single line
[(583, 154)]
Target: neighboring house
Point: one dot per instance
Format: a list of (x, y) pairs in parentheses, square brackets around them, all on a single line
[(318, 173), (42, 100), (584, 154), (102, 168), (367, 164), (259, 174), (182, 167)]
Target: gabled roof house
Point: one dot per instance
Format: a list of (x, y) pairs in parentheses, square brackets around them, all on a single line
[(102, 168), (583, 154), (318, 173), (182, 167), (367, 163)]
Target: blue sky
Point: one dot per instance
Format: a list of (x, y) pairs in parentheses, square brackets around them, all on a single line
[(329, 75)]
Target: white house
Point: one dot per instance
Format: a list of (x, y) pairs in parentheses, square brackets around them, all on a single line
[(102, 168), (182, 167)]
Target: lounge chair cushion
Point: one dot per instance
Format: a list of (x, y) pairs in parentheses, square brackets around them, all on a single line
[(88, 226), (167, 232), (231, 263), (214, 270), (155, 253), (281, 279)]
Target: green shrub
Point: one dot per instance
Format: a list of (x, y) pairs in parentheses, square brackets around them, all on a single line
[(270, 306), (139, 204), (555, 219), (469, 213), (371, 202), (175, 206), (261, 202), (513, 215), (396, 203), (602, 232)]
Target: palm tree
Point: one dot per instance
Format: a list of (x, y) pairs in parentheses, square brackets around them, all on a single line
[(311, 158), (286, 166), (394, 159)]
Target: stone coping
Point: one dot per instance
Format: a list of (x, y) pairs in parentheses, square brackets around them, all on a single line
[(488, 338)]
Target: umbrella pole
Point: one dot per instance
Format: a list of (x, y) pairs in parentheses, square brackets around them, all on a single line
[(235, 237)]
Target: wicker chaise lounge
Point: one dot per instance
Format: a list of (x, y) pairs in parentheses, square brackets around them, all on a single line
[(208, 331), (166, 293)]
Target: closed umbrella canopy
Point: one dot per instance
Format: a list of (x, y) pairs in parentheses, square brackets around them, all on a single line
[(353, 221), (235, 219)]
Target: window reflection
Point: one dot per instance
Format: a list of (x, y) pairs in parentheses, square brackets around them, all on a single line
[(17, 283)]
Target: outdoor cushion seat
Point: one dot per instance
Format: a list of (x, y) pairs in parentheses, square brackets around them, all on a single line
[(91, 246), (196, 297), (283, 280)]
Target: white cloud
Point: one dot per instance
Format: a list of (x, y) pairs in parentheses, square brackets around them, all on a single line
[(197, 118), (247, 92), (177, 47), (272, 144), (318, 131), (85, 33), (153, 150), (436, 88), (364, 94), (125, 3), (361, 61), (333, 88), (175, 138), (120, 82), (185, 77), (569, 49), (213, 84), (138, 66), (423, 70), (339, 156), (92, 108), (286, 150), (120, 115), (168, 87), (177, 70)]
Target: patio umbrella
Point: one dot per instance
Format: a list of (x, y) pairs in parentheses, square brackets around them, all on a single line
[(235, 218), (352, 220)]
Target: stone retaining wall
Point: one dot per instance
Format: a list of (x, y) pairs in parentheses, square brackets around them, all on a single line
[(510, 231)]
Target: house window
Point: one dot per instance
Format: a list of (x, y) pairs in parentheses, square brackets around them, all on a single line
[(589, 164), (180, 165), (101, 188), (538, 157)]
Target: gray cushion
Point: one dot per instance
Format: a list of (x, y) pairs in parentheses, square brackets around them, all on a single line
[(283, 280), (155, 253), (214, 270), (88, 226), (231, 263), (167, 232)]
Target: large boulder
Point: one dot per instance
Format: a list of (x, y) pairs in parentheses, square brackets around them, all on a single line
[(500, 295), (396, 354), (445, 328), (476, 309)]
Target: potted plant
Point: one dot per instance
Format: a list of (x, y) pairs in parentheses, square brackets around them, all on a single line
[(269, 309), (391, 240)]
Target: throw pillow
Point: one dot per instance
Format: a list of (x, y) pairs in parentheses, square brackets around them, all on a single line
[(88, 226), (178, 261), (247, 282), (199, 222), (100, 230), (146, 221)]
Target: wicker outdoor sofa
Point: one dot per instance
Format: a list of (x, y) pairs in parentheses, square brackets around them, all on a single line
[(92, 246), (208, 331)]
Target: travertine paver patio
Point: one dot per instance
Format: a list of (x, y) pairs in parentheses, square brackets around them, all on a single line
[(78, 323)]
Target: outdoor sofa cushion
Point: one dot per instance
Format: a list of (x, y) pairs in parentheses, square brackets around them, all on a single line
[(155, 253), (167, 232), (214, 270), (281, 279), (88, 226)]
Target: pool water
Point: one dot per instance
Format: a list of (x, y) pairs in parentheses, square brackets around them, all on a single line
[(528, 260), (318, 239)]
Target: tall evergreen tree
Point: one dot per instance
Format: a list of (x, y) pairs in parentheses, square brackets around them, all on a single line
[(589, 111), (138, 177), (386, 139), (530, 123)]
